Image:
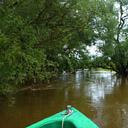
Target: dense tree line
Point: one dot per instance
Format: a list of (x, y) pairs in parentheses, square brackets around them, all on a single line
[(40, 38)]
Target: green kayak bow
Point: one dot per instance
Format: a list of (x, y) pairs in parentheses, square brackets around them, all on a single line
[(70, 118)]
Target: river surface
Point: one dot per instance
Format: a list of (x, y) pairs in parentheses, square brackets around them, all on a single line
[(100, 95)]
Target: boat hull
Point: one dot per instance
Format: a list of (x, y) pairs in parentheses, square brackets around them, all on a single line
[(76, 120)]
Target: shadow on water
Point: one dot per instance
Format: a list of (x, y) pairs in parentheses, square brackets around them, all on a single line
[(100, 95)]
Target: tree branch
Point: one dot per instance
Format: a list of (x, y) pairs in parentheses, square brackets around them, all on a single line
[(39, 18), (121, 22), (66, 33)]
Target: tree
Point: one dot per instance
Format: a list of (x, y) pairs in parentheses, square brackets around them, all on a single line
[(113, 34), (41, 37)]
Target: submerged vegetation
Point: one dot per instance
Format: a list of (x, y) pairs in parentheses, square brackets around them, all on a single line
[(40, 38)]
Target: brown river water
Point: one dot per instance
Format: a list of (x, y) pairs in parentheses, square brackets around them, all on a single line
[(99, 95)]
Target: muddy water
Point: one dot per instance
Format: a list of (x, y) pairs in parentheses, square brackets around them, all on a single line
[(100, 95)]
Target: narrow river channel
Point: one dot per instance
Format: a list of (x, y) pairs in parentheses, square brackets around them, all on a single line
[(100, 95)]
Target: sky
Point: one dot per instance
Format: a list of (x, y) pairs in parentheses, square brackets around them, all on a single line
[(92, 50)]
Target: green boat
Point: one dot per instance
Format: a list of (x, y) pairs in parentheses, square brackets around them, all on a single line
[(70, 118)]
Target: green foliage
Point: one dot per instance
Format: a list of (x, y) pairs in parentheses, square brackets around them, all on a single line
[(39, 38), (112, 32)]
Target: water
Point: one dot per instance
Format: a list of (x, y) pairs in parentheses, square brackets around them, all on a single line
[(100, 95)]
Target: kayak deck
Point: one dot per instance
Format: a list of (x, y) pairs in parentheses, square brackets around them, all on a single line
[(76, 120)]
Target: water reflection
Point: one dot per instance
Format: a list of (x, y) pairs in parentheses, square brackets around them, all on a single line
[(100, 95), (103, 83)]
